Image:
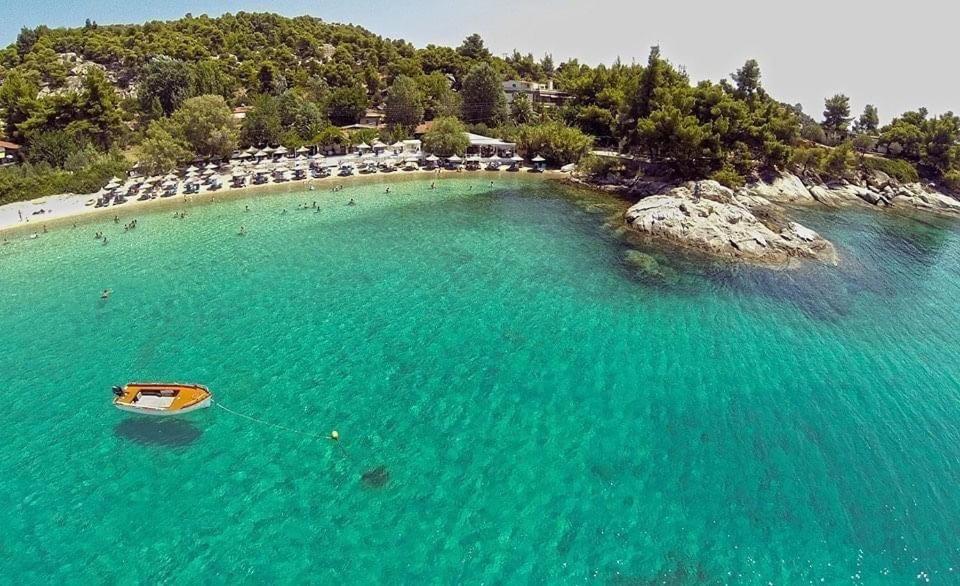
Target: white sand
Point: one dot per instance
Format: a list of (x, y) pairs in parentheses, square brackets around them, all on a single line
[(59, 207)]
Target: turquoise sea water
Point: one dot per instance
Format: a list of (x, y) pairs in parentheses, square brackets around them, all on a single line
[(527, 404)]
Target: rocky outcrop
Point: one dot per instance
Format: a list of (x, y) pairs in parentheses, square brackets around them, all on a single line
[(874, 188), (711, 218), (786, 188)]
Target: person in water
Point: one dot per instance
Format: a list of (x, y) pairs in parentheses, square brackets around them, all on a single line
[(105, 294), (388, 190), (116, 219), (351, 202), (242, 232)]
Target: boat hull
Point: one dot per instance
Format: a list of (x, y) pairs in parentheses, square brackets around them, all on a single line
[(163, 412)]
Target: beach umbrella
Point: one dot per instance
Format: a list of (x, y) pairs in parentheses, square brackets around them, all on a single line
[(397, 145), (303, 149), (281, 150), (433, 158), (191, 169), (538, 159), (378, 145), (268, 150), (363, 146), (110, 186), (301, 158), (454, 159), (516, 158), (211, 166), (252, 150), (261, 154), (243, 155)]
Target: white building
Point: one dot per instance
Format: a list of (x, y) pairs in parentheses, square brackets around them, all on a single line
[(537, 93)]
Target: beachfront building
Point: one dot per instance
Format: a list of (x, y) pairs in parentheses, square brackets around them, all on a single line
[(9, 152), (484, 146), (373, 118), (538, 93)]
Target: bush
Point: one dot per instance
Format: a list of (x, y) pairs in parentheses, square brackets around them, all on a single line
[(899, 169), (839, 160), (556, 142), (594, 166), (728, 177), (22, 182), (951, 180)]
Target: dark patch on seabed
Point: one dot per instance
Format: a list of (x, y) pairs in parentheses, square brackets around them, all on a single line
[(376, 477), (170, 433)]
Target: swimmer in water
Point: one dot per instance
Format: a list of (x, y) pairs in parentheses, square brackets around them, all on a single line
[(105, 294), (351, 202), (242, 232)]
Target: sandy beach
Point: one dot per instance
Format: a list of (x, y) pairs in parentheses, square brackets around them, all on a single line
[(26, 217)]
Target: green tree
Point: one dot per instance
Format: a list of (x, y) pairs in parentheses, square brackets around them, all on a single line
[(521, 110), (483, 98), (160, 152), (210, 77), (556, 142), (207, 125), (869, 121), (345, 105), (18, 102), (261, 126), (52, 147), (836, 115), (438, 98), (473, 48), (168, 81), (747, 78), (446, 137), (98, 106), (404, 105)]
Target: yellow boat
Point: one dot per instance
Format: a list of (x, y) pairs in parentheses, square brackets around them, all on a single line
[(161, 398)]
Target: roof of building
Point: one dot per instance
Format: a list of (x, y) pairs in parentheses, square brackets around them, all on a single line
[(359, 127), (480, 140)]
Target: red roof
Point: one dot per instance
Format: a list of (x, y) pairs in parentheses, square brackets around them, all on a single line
[(8, 145)]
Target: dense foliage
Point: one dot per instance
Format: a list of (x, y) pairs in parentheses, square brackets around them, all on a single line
[(163, 91)]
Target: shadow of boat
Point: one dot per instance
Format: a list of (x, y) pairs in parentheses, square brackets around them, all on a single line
[(170, 433)]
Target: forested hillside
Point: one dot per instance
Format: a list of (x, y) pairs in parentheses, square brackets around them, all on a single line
[(85, 103)]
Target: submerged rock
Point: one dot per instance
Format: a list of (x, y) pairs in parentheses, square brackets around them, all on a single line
[(376, 477), (715, 222), (643, 261)]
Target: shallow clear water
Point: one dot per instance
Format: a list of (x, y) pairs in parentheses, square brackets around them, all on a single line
[(544, 411)]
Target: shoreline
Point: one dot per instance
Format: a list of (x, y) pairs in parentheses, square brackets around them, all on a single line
[(67, 208)]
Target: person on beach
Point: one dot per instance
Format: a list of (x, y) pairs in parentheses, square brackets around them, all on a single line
[(20, 213), (116, 219), (44, 228)]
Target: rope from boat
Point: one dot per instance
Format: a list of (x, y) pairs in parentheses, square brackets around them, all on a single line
[(274, 425)]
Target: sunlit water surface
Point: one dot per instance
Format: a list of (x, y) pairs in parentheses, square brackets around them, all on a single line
[(520, 398)]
